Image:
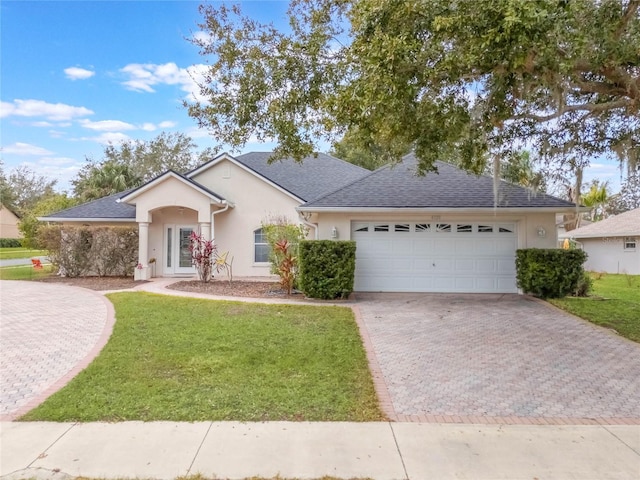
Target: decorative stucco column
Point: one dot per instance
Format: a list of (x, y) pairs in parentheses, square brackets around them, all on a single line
[(142, 270), (205, 230)]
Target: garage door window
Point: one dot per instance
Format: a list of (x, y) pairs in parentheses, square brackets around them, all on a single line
[(443, 227), (485, 228), (402, 227), (423, 227), (464, 229), (381, 227)]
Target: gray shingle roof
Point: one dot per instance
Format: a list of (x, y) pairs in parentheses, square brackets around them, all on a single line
[(398, 187), (107, 208), (183, 177), (622, 225), (313, 178)]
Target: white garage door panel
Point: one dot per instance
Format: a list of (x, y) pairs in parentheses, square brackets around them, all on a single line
[(435, 257)]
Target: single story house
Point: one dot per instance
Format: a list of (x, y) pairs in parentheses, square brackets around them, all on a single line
[(613, 244), (9, 223), (440, 232)]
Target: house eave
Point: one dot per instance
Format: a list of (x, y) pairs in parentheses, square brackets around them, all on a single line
[(463, 210), (602, 235)]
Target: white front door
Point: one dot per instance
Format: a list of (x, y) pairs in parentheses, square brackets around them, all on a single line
[(176, 248)]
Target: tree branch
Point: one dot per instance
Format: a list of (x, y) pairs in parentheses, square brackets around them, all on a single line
[(632, 8), (589, 107)]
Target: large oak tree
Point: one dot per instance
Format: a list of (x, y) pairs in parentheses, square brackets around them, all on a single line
[(451, 79)]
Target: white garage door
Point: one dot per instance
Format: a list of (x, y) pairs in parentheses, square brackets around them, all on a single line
[(435, 257)]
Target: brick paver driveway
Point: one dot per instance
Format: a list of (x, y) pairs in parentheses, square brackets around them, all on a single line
[(47, 334), (499, 356)]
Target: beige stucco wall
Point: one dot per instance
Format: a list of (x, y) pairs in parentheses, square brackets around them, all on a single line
[(8, 224), (255, 201), (528, 225), (171, 192), (608, 255)]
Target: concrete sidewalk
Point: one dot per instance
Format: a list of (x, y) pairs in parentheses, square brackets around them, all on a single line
[(235, 450)]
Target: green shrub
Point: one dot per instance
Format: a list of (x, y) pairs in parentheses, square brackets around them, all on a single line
[(283, 238), (102, 251), (327, 268), (549, 273), (585, 285), (10, 243)]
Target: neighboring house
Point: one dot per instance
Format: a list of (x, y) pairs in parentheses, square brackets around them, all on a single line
[(613, 244), (435, 233), (8, 223)]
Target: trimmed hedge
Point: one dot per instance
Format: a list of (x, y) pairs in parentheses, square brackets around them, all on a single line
[(549, 273), (102, 251), (327, 268), (10, 243)]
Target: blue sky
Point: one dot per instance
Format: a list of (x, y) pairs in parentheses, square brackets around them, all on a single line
[(78, 74)]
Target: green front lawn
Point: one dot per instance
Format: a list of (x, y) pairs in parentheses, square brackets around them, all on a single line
[(19, 252), (25, 272), (180, 359), (614, 303)]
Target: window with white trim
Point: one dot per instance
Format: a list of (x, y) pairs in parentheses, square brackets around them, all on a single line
[(261, 248), (630, 244)]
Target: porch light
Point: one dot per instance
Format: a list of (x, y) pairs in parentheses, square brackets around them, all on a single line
[(541, 231), (334, 232)]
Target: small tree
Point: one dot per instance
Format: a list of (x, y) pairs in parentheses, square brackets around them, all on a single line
[(202, 252), (284, 238)]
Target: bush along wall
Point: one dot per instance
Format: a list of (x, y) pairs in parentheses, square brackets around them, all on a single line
[(102, 251), (327, 268), (10, 243), (549, 273)]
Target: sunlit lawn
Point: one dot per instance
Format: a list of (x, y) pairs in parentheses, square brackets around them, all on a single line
[(173, 358), (25, 272), (19, 252), (614, 303)]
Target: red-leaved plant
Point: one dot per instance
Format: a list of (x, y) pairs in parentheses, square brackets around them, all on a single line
[(202, 253), (286, 264)]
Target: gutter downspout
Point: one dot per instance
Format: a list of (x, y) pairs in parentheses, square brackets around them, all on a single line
[(213, 214), (309, 224)]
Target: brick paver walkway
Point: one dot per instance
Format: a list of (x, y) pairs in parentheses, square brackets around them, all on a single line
[(47, 334), (509, 357)]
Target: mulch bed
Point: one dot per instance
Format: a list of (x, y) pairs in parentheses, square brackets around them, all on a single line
[(221, 287), (235, 289)]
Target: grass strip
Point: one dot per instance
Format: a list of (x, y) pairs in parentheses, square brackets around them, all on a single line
[(184, 359), (614, 303)]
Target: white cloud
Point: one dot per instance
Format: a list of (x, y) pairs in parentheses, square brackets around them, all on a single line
[(39, 108), (202, 37), (75, 73), (107, 125), (142, 77), (56, 134), (108, 137), (25, 149), (151, 127), (42, 124)]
